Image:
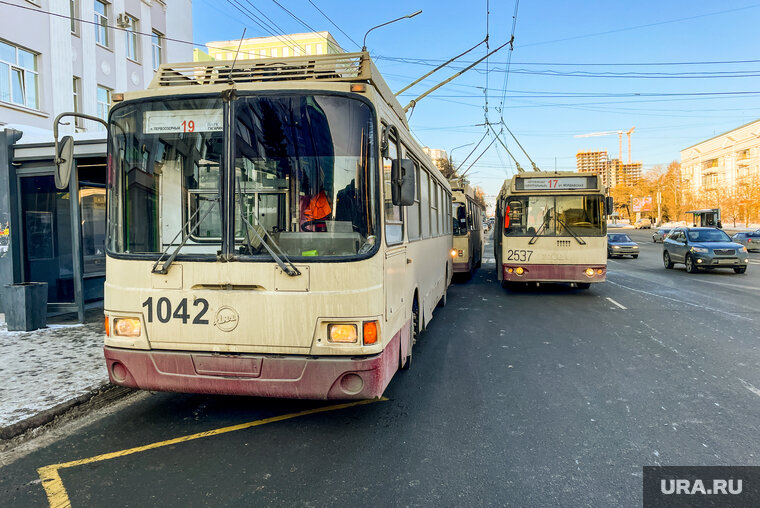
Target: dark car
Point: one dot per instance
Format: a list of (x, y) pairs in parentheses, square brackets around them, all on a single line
[(750, 240), (619, 244), (707, 248), (660, 234)]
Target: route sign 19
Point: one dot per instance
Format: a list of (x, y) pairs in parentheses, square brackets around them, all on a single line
[(181, 121)]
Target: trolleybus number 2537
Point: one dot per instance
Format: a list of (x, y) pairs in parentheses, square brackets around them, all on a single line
[(519, 255)]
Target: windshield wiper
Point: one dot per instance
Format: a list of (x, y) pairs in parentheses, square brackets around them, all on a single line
[(165, 268), (287, 266), (547, 218), (572, 233)]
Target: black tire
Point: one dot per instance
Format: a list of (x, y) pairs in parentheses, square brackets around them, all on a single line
[(609, 255), (583, 285), (444, 298), (666, 260), (405, 359), (691, 267), (740, 269), (635, 256)]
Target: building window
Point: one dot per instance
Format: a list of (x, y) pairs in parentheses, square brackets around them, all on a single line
[(74, 13), (274, 52), (101, 23), (285, 51), (129, 30), (104, 102), (156, 41), (77, 92), (319, 49), (18, 76)]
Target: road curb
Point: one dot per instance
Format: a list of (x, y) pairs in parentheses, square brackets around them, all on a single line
[(98, 397)]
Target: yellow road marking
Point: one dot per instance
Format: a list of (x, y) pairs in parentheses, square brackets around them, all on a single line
[(59, 498)]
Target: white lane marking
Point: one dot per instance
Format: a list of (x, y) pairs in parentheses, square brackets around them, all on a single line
[(613, 301), (684, 302), (749, 387), (754, 262)]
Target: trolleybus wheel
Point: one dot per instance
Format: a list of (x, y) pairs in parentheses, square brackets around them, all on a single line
[(443, 300), (406, 358)]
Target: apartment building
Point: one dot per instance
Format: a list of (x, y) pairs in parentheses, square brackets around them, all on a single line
[(58, 55), (728, 161), (311, 43), (613, 171)]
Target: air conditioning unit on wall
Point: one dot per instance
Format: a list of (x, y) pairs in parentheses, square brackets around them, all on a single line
[(122, 20)]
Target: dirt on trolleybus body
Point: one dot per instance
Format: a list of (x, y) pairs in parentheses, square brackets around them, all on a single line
[(274, 230)]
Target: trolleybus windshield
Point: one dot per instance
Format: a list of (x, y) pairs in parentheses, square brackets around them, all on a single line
[(554, 216), (304, 176)]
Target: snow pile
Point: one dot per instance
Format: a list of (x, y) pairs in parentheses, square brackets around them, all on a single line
[(44, 368)]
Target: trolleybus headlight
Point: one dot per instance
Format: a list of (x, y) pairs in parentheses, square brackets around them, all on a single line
[(342, 333), (589, 272), (519, 270), (370, 332), (453, 253), (510, 270), (600, 271), (127, 327)]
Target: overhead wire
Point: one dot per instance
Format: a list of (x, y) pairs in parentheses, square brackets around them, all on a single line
[(334, 24)]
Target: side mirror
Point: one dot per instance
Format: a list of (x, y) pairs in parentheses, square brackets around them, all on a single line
[(609, 205), (64, 161), (402, 182)]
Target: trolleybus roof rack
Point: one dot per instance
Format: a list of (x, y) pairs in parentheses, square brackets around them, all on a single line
[(340, 67)]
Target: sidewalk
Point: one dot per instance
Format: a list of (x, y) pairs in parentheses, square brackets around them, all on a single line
[(45, 368)]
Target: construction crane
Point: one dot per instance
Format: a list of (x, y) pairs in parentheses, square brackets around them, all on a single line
[(612, 133)]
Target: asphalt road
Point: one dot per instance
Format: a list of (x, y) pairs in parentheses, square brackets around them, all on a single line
[(532, 397)]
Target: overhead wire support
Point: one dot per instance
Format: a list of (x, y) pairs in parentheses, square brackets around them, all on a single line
[(407, 87), (471, 152), (413, 102)]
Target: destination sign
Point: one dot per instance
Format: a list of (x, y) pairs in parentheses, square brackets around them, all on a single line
[(189, 120), (556, 183)]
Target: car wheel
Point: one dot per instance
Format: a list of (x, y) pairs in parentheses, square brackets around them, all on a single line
[(609, 254), (666, 260), (740, 269), (635, 256), (690, 266)]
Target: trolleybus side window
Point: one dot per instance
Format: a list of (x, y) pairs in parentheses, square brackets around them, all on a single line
[(425, 203), (434, 207), (394, 222), (413, 212)]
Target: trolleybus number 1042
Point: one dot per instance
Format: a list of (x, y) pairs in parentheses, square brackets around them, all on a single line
[(519, 255), (163, 310)]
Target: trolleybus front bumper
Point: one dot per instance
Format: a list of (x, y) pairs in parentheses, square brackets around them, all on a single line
[(462, 267), (261, 375), (554, 273)]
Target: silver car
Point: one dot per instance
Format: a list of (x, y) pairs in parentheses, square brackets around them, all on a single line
[(660, 234), (750, 240)]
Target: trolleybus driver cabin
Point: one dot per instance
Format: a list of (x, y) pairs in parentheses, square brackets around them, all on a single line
[(273, 230)]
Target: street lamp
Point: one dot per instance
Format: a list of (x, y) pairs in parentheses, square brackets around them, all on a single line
[(451, 158), (364, 42)]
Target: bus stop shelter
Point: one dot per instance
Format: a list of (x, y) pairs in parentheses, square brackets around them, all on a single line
[(50, 235), (708, 217)]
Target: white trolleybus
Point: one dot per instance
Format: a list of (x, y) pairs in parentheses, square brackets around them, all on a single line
[(551, 227), (468, 218), (273, 230)]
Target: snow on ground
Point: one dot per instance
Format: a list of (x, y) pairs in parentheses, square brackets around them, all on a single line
[(44, 368)]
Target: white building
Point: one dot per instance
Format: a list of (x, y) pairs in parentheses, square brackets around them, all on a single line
[(728, 161), (71, 55)]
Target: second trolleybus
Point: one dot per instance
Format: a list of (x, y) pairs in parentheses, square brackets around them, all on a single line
[(551, 227), (273, 230), (468, 217)]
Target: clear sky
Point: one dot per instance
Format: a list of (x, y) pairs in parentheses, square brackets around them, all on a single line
[(679, 71)]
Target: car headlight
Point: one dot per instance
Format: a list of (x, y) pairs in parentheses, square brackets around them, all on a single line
[(635, 246), (703, 250), (616, 246), (743, 249)]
